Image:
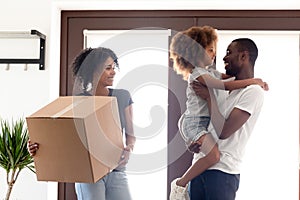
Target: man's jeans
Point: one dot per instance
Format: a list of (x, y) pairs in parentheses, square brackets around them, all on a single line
[(214, 185)]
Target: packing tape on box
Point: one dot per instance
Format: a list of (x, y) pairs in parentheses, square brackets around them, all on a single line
[(66, 109)]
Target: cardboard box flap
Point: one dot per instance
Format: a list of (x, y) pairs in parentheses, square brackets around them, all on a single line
[(73, 107)]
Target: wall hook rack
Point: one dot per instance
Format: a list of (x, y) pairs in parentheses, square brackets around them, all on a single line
[(32, 34)]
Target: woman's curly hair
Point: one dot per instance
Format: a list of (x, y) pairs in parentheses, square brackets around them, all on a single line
[(188, 47), (88, 61)]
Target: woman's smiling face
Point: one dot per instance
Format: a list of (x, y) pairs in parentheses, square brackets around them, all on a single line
[(108, 73)]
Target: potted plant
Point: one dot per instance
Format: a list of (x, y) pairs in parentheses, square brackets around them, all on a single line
[(14, 155)]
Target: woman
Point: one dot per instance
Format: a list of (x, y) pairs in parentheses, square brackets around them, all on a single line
[(94, 71)]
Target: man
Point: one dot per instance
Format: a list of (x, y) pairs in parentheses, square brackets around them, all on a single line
[(232, 123)]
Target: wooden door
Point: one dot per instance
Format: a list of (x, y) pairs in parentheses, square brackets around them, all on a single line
[(74, 22)]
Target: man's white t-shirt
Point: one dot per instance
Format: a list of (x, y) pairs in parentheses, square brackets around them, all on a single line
[(249, 99)]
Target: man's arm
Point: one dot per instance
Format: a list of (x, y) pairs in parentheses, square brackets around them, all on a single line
[(223, 127), (226, 127)]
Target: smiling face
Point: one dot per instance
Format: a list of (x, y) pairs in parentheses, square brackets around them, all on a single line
[(232, 60), (108, 73), (211, 53)]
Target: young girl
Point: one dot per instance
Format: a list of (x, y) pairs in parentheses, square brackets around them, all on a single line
[(192, 52)]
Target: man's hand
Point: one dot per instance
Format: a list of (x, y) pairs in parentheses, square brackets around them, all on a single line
[(194, 147), (200, 90)]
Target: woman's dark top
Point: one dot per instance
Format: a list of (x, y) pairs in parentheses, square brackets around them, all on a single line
[(123, 98)]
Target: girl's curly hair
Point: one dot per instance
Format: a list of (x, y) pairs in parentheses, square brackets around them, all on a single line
[(188, 47)]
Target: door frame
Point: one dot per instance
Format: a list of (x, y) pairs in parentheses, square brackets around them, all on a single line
[(73, 23)]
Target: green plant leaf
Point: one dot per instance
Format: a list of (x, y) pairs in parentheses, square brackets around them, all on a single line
[(13, 146)]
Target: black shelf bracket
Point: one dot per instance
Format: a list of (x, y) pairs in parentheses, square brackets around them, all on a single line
[(31, 34)]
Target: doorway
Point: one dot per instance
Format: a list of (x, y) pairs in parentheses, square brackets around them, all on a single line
[(74, 22), (143, 59)]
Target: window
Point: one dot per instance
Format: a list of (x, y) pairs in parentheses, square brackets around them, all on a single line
[(143, 60), (273, 145)]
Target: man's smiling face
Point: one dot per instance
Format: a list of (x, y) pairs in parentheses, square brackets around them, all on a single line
[(231, 60)]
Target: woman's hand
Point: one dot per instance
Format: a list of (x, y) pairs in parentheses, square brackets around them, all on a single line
[(32, 148), (125, 155)]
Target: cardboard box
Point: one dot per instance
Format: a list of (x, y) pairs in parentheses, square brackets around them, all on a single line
[(79, 138)]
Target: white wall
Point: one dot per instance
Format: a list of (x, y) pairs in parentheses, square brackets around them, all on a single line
[(23, 92)]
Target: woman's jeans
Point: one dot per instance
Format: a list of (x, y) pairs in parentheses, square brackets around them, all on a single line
[(113, 186), (214, 185)]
